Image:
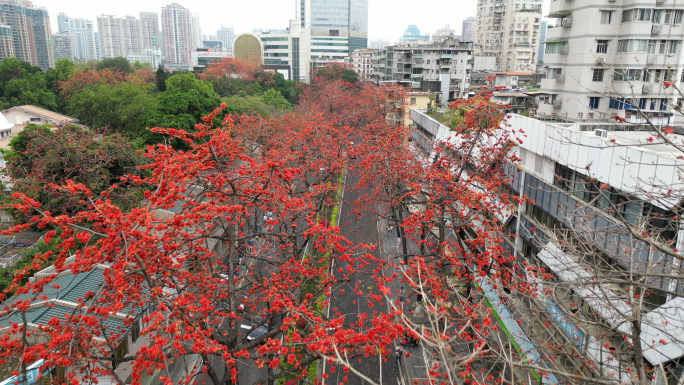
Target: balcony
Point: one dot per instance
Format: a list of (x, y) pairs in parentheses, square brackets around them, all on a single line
[(445, 56), (418, 56), (418, 65), (416, 76), (446, 66), (415, 84)]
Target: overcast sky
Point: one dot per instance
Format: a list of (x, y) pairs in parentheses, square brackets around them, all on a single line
[(387, 18)]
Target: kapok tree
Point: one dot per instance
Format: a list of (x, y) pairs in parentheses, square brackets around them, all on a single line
[(229, 233)]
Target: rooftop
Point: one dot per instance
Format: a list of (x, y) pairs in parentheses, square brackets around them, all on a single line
[(43, 113)]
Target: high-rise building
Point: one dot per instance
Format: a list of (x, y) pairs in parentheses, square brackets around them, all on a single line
[(226, 36), (177, 34), (97, 46), (445, 33), (508, 30), (346, 20), (6, 46), (196, 32), (62, 46), (31, 34), (542, 39), (607, 62), (149, 22), (119, 36), (62, 23), (81, 32), (467, 29)]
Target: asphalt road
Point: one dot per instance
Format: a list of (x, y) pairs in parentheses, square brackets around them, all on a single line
[(359, 230)]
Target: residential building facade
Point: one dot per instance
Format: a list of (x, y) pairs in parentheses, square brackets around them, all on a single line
[(31, 33), (178, 37), (226, 35), (542, 38), (6, 44), (81, 33), (612, 59), (508, 30), (62, 46), (441, 67), (570, 222), (362, 62), (468, 28), (149, 22)]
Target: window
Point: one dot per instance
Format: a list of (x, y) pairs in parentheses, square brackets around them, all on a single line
[(564, 177), (413, 101), (668, 17), (674, 44), (677, 17), (135, 330), (34, 119), (656, 16), (554, 47), (598, 75), (593, 102), (663, 104), (606, 17), (642, 103), (661, 46), (628, 75), (638, 14), (334, 32), (633, 45), (602, 46)]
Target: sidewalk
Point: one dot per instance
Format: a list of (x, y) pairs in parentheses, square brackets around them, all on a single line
[(414, 367)]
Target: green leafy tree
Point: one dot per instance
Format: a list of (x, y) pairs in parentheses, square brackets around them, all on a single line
[(21, 83), (185, 101), (275, 98), (62, 71), (40, 158), (138, 65), (120, 107), (336, 71), (250, 106), (119, 64), (160, 79)]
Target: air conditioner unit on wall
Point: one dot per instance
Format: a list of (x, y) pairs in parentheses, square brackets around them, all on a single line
[(656, 28), (600, 60), (647, 88), (557, 103), (601, 133)]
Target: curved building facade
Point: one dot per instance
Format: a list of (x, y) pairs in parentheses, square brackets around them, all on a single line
[(247, 47)]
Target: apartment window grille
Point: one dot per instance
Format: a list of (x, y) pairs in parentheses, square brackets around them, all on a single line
[(598, 75), (602, 46), (594, 102), (606, 17)]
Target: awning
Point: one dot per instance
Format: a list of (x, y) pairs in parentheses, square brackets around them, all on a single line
[(555, 41), (662, 332), (559, 14)]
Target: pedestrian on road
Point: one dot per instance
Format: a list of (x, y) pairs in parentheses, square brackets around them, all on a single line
[(398, 352)]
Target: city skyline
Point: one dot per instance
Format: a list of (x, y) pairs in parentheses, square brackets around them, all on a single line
[(385, 20)]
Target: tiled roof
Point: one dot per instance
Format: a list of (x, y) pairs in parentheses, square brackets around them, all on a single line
[(47, 114)]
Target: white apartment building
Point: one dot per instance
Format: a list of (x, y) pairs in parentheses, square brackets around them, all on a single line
[(508, 30), (591, 317), (468, 28), (149, 22), (362, 63), (81, 34), (178, 36), (612, 57), (443, 67), (119, 36)]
